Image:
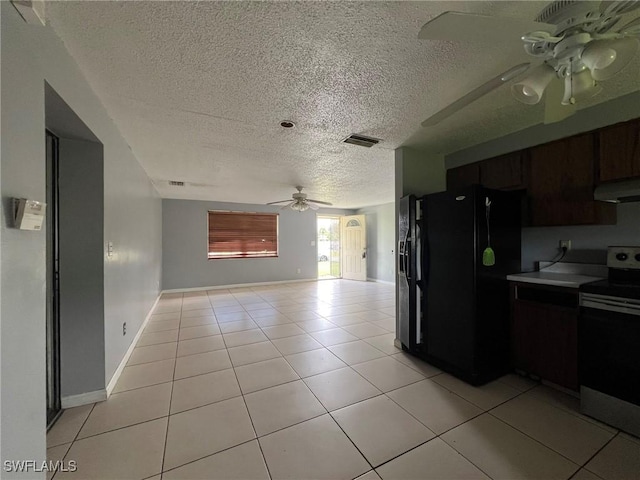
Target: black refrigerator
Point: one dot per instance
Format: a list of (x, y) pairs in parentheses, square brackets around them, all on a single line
[(453, 309)]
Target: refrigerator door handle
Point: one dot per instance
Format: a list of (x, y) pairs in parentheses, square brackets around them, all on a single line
[(418, 263), (407, 258), (425, 262), (400, 256)]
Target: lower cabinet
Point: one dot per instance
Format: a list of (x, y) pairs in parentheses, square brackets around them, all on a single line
[(544, 332)]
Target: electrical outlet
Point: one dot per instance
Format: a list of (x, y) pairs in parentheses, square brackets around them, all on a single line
[(565, 244), (298, 271), (124, 328)]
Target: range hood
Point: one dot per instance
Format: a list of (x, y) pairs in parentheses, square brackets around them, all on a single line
[(619, 192)]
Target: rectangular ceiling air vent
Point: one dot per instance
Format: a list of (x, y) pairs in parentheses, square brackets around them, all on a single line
[(361, 140), (176, 183)]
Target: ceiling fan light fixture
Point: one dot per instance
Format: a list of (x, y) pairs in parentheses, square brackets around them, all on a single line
[(530, 89), (578, 87), (300, 206), (605, 58)]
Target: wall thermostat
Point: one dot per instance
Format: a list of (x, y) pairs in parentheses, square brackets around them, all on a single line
[(28, 214)]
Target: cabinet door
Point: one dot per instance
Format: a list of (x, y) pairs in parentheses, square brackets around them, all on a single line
[(525, 338), (620, 151), (559, 338), (561, 183), (545, 342), (504, 172), (563, 169), (464, 176)]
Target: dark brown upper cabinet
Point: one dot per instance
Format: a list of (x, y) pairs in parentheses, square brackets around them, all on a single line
[(619, 151), (463, 176), (561, 183), (505, 172)]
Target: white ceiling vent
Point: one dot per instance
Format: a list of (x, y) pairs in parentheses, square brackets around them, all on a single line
[(176, 183), (361, 140)]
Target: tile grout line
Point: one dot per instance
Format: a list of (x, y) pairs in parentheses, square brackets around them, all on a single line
[(332, 417), (595, 454), (246, 407), (534, 439), (75, 438), (173, 377)]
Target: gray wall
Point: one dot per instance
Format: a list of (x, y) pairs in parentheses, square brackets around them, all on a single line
[(185, 236), (32, 55), (588, 242), (81, 233), (381, 226), (418, 173)]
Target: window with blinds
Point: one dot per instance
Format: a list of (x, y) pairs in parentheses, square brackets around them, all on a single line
[(242, 235)]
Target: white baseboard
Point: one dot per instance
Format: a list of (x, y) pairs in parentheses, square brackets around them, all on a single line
[(116, 375), (237, 285), (83, 398), (380, 281)]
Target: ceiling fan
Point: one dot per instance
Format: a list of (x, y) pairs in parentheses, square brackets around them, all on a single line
[(578, 42), (300, 202)]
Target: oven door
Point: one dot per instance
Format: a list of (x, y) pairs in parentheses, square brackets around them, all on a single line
[(609, 346)]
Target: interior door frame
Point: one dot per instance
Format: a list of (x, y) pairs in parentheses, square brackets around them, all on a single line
[(331, 217), (53, 396)]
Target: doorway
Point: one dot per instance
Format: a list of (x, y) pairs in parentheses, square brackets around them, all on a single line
[(53, 284), (329, 252)]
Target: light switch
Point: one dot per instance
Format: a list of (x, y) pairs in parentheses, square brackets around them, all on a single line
[(313, 243)]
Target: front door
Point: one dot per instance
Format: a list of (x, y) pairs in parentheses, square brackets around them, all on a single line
[(354, 247)]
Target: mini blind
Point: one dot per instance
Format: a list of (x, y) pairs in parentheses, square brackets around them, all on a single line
[(243, 235)]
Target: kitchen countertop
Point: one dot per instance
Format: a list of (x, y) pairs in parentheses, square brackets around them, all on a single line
[(569, 280), (569, 275)]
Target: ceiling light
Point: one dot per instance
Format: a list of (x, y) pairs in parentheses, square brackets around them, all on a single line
[(579, 86), (605, 58), (530, 89), (287, 124), (300, 206)]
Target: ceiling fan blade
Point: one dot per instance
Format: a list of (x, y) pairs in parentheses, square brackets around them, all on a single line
[(554, 111), (631, 28), (474, 95), (287, 205), (318, 201), (470, 27), (279, 201), (312, 206), (619, 7)]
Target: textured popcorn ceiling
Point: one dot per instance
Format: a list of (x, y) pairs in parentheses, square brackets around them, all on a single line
[(198, 90)]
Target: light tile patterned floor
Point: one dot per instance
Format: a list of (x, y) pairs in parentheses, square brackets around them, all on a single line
[(302, 381)]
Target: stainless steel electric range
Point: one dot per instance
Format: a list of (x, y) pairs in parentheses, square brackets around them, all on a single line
[(609, 343)]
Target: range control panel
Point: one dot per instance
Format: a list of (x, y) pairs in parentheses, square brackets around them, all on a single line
[(624, 257)]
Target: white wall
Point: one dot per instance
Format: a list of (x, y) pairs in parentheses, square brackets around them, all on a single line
[(32, 55), (381, 226), (185, 237)]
